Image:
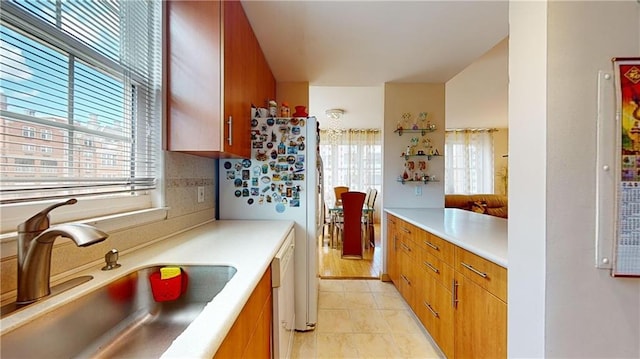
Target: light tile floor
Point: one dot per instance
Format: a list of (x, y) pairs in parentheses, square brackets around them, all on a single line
[(363, 319)]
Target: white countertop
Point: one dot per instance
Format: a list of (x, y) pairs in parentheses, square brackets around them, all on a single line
[(481, 234), (249, 246)]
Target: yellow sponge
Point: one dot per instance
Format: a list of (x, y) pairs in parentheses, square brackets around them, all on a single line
[(169, 272)]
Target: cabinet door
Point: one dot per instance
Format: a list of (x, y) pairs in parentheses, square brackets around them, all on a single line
[(407, 278), (193, 76), (392, 250), (247, 79), (480, 322), (435, 311)]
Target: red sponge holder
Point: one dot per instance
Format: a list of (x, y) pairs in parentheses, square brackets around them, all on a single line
[(170, 289)]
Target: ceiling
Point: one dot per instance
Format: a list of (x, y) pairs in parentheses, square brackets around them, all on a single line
[(368, 43)]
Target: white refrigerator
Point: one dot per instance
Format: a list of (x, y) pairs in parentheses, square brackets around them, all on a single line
[(281, 180)]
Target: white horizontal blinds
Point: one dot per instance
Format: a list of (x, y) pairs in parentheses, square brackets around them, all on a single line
[(79, 104)]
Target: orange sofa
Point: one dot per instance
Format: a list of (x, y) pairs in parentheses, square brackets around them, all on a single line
[(491, 204)]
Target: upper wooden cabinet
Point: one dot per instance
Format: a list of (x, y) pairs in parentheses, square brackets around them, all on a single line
[(215, 71)]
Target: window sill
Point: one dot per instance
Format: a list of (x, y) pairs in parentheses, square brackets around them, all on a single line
[(112, 223)]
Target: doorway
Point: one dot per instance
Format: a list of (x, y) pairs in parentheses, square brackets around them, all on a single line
[(332, 266)]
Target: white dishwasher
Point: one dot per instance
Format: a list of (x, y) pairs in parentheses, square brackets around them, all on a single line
[(282, 282)]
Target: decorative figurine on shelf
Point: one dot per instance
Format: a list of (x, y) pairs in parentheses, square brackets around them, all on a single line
[(301, 111), (414, 144), (422, 116), (406, 120), (273, 108), (436, 153), (284, 110), (408, 151), (426, 145)]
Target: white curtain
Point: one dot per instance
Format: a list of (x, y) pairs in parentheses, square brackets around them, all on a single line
[(351, 158), (469, 161)]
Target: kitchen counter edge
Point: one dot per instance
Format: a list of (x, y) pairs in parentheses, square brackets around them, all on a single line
[(481, 234)]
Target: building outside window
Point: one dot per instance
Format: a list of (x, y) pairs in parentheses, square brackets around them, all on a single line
[(78, 76)]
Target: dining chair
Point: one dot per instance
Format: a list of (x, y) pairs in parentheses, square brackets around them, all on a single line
[(369, 216), (337, 214), (352, 204), (338, 191)]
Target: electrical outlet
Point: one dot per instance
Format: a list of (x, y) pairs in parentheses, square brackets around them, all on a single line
[(418, 190), (200, 194)]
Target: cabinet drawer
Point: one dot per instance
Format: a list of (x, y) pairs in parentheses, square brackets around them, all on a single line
[(486, 274), (406, 246), (438, 247), (407, 229), (434, 309), (436, 268), (407, 232)]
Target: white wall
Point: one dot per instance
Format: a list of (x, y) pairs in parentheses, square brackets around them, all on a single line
[(363, 106), (477, 97), (560, 305), (413, 98), (527, 179)]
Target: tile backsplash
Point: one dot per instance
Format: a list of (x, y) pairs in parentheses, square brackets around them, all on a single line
[(183, 174)]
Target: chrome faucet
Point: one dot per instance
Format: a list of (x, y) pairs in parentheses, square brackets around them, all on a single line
[(35, 242)]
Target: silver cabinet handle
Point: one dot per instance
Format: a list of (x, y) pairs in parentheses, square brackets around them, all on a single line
[(406, 247), (483, 275), (431, 245), (405, 279), (230, 123), (431, 267), (454, 293), (406, 230), (435, 314)]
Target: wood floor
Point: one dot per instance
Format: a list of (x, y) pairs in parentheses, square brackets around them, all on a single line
[(332, 266)]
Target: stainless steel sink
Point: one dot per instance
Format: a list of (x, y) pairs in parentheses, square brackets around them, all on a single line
[(119, 320)]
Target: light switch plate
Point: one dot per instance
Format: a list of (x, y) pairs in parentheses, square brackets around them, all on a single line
[(200, 194), (418, 190)]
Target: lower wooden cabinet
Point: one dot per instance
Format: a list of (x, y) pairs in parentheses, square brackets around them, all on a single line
[(392, 249), (435, 311), (459, 297), (250, 335), (480, 322)]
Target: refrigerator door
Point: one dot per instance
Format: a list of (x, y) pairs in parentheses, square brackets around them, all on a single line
[(280, 181)]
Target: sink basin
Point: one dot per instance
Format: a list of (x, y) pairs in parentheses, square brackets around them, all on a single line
[(118, 320)]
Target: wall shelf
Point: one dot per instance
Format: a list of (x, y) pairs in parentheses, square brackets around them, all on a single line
[(406, 157), (403, 181), (422, 131)]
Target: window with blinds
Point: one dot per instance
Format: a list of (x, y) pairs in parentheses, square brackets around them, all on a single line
[(79, 98)]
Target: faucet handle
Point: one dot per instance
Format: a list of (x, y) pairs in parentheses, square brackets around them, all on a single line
[(40, 221), (111, 260)]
